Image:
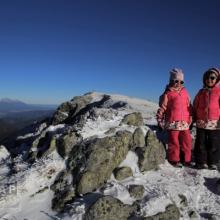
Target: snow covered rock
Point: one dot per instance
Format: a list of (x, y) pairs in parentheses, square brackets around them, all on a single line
[(68, 110)]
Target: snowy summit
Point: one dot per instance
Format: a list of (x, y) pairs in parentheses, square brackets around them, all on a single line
[(101, 157)]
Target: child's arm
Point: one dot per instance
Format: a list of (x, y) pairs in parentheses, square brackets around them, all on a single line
[(162, 109)]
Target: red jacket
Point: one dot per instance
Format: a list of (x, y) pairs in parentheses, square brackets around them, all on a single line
[(206, 105), (175, 106)]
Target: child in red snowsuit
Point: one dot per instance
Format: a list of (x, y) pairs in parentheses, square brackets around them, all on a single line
[(175, 115), (206, 108)]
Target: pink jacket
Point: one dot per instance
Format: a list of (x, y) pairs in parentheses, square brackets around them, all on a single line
[(207, 104), (174, 106)]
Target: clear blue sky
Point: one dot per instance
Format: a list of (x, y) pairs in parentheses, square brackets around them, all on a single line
[(52, 50)]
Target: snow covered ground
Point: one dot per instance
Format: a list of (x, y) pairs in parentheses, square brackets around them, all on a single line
[(27, 195), (163, 187)]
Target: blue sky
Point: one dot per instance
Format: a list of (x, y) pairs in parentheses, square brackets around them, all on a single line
[(52, 50)]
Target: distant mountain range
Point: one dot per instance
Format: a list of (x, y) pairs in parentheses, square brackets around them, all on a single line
[(11, 106)]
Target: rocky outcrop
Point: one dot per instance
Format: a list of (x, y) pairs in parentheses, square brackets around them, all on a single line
[(109, 208), (45, 143), (70, 109), (91, 159), (78, 109), (92, 162), (91, 165)]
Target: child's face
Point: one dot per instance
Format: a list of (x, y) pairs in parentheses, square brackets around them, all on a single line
[(177, 83), (211, 80)]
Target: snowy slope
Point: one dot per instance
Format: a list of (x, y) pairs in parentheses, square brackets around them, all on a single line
[(26, 194)]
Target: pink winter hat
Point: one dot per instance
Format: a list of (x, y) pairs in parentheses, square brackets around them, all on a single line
[(176, 74)]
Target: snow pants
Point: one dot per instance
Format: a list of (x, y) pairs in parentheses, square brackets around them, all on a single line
[(179, 140), (207, 146)]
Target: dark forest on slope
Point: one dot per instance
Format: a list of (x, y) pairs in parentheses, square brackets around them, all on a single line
[(12, 123)]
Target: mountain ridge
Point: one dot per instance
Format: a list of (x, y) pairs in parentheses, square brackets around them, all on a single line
[(12, 105)]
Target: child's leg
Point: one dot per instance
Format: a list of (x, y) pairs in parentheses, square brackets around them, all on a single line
[(186, 143), (213, 146), (200, 150), (173, 146)]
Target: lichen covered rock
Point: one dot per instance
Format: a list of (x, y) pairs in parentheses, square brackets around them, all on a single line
[(152, 155), (134, 119), (108, 208), (122, 173)]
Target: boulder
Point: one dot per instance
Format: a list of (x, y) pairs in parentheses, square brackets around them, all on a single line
[(134, 119), (101, 158), (109, 208), (136, 191), (67, 142), (138, 138), (122, 173), (152, 155)]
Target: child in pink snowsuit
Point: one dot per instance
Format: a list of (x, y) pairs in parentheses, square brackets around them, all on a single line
[(175, 115), (207, 116)]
